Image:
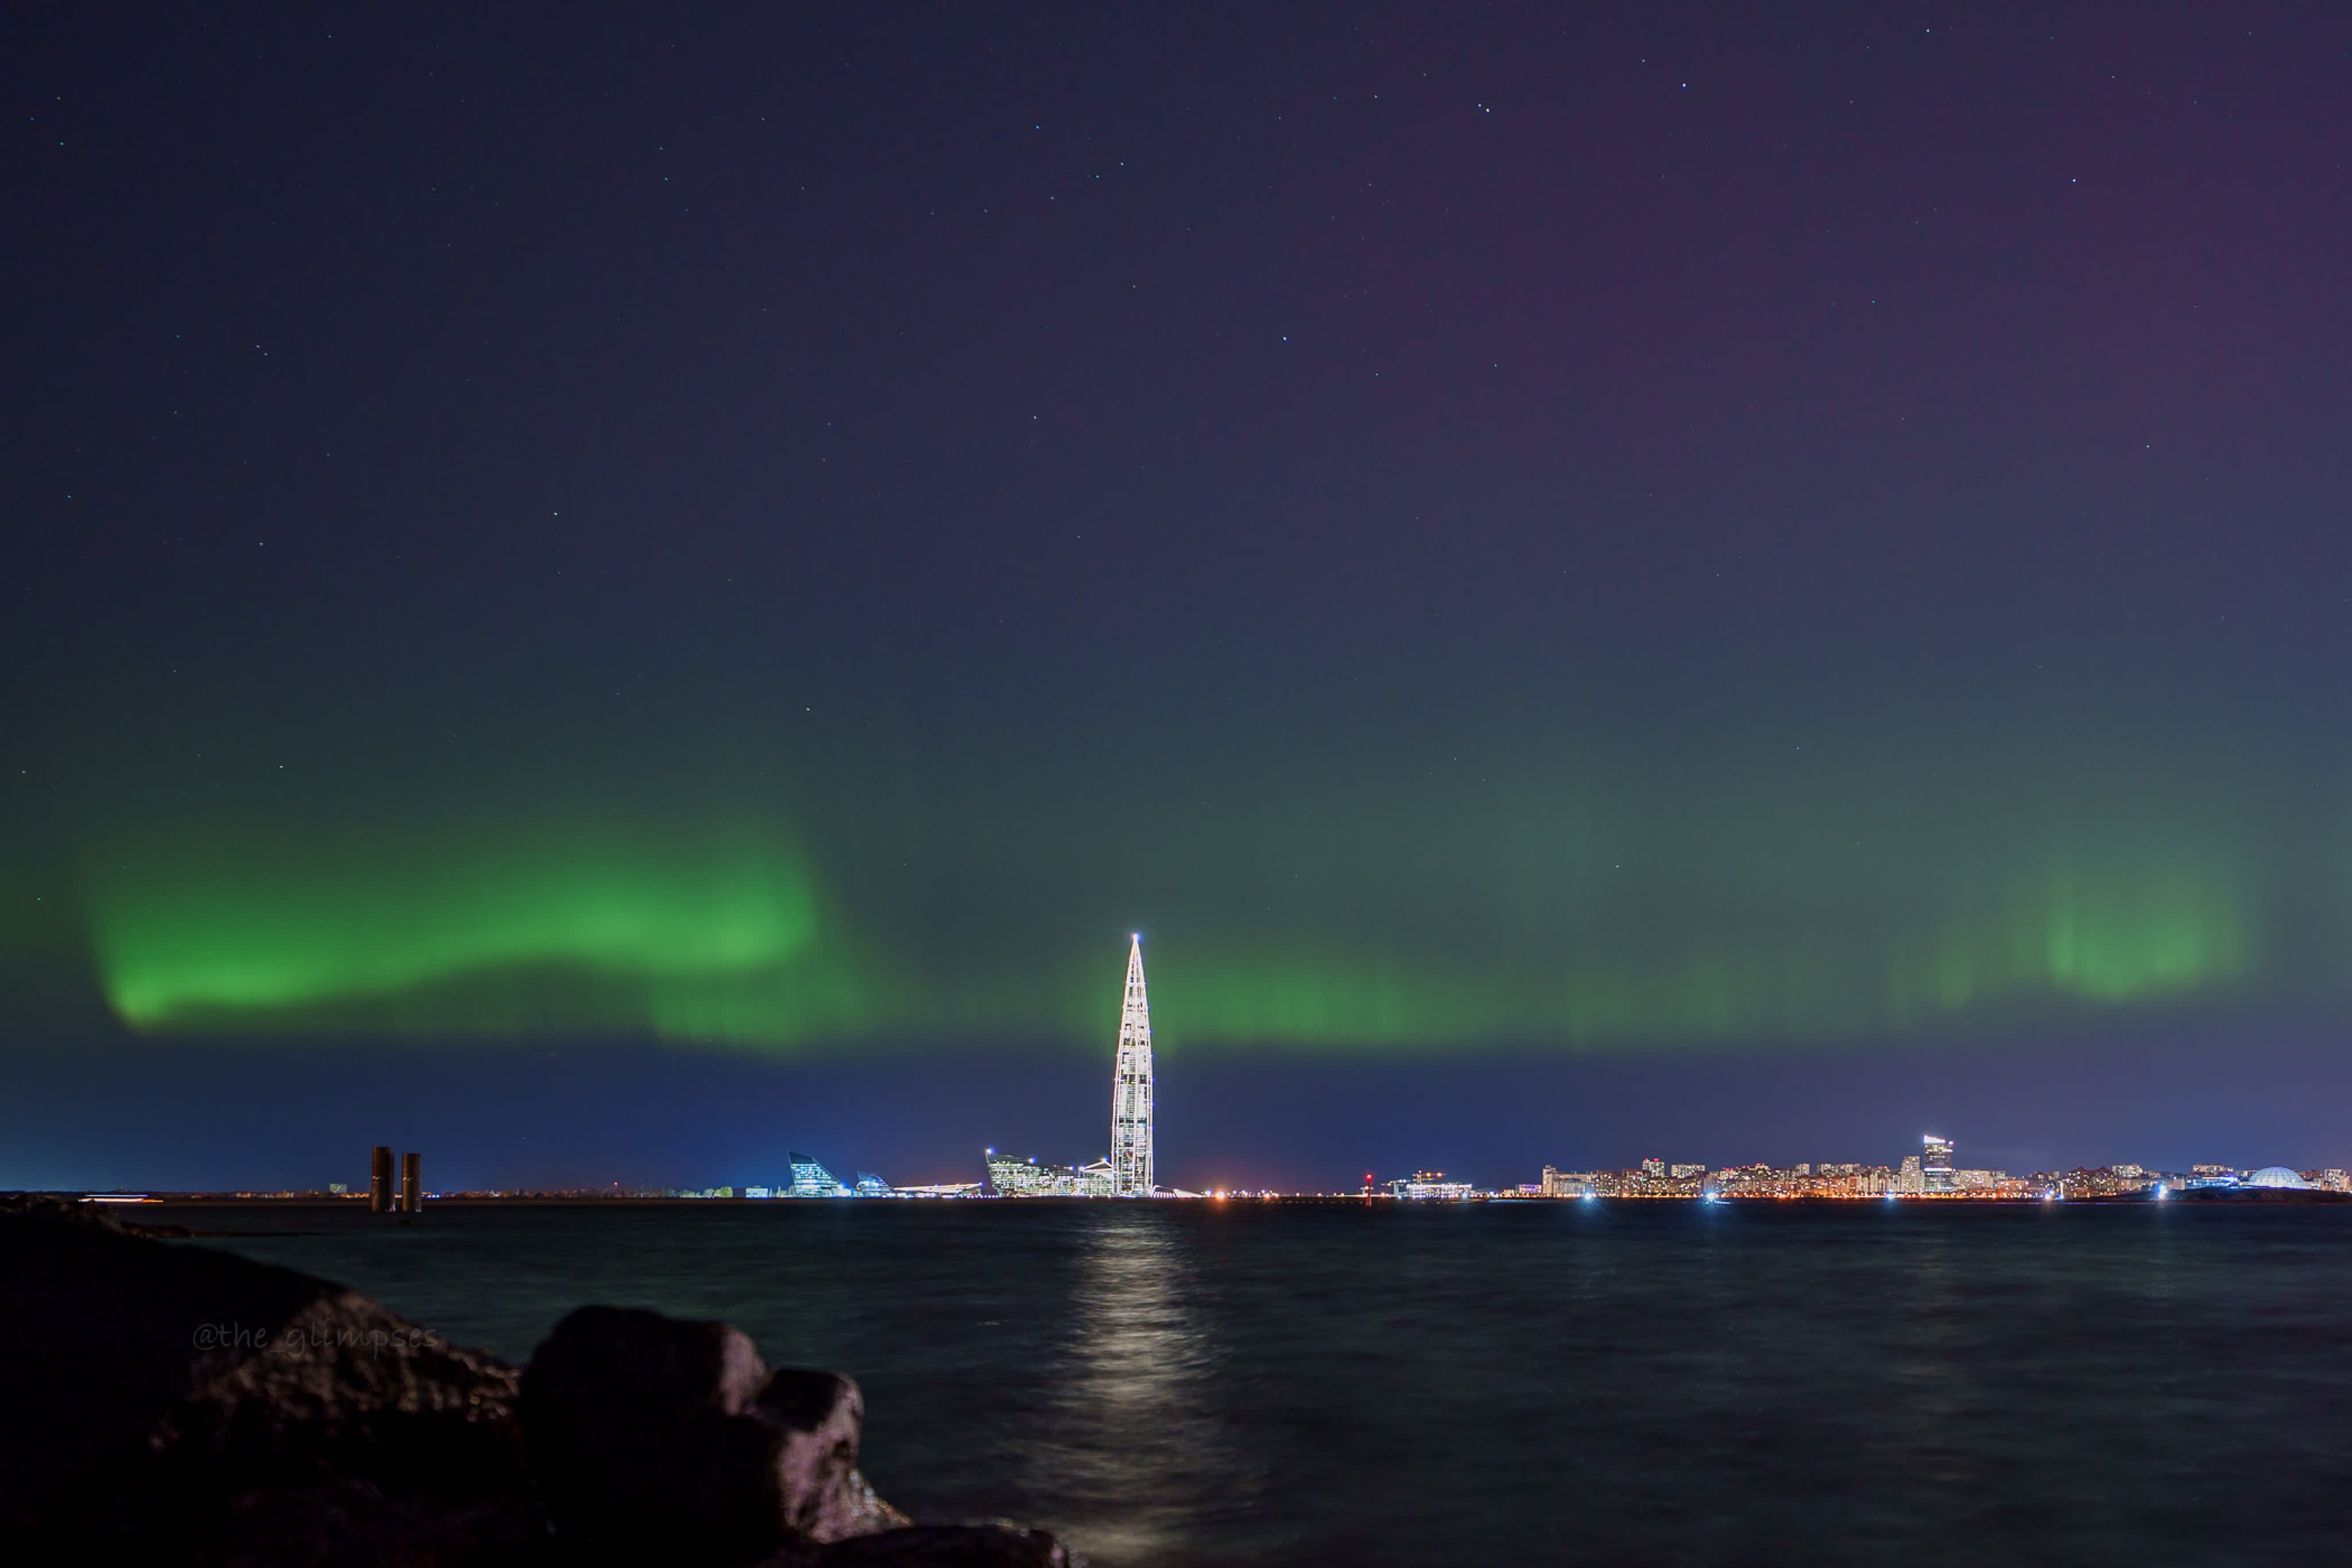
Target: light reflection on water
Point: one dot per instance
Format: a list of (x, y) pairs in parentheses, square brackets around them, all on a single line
[(1131, 1442)]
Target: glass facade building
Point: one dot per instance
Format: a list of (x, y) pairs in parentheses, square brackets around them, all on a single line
[(1936, 1173)]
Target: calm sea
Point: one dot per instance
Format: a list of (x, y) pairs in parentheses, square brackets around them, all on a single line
[(1667, 1383)]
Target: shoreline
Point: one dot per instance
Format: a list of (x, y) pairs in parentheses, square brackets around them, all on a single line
[(127, 1208)]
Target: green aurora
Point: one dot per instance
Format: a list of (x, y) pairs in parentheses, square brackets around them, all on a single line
[(1381, 921)]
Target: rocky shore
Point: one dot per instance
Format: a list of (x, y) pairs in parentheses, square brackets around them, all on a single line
[(173, 1405)]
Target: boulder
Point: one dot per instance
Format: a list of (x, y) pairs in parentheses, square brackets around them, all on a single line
[(148, 1385), (177, 1405), (653, 1435)]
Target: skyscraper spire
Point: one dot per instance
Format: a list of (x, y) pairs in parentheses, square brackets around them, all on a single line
[(1130, 1092)]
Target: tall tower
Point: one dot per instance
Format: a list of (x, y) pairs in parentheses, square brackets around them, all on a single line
[(1130, 1088), (1935, 1167)]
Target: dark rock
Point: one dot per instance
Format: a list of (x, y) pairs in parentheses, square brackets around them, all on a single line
[(148, 1385), (992, 1545), (178, 1406), (651, 1434)]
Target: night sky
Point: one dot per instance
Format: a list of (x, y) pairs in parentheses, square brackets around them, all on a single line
[(604, 595)]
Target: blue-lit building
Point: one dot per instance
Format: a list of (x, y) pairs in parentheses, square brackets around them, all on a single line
[(872, 1186), (811, 1179)]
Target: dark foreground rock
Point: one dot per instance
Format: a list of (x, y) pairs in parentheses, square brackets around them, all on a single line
[(650, 1434), (176, 1405), (157, 1393)]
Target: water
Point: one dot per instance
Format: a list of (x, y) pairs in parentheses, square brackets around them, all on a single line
[(1667, 1383)]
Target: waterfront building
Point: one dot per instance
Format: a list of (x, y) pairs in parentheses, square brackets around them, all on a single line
[(872, 1186), (811, 1179), (1910, 1181), (1010, 1176), (2276, 1177), (1685, 1172), (1936, 1173), (1570, 1183), (1131, 1174), (2107, 1181), (1872, 1181), (1425, 1184), (1654, 1169), (759, 1192)]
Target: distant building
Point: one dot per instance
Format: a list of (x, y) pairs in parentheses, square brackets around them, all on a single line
[(872, 1186), (2107, 1181), (1569, 1184), (1684, 1172), (759, 1192), (1013, 1178), (811, 1179), (1910, 1180), (1654, 1169), (1870, 1181), (1426, 1185), (1936, 1173)]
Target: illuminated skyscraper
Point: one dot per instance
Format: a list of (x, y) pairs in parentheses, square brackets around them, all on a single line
[(1935, 1165), (1130, 1092)]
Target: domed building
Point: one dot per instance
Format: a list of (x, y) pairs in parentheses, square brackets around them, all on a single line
[(2276, 1177)]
